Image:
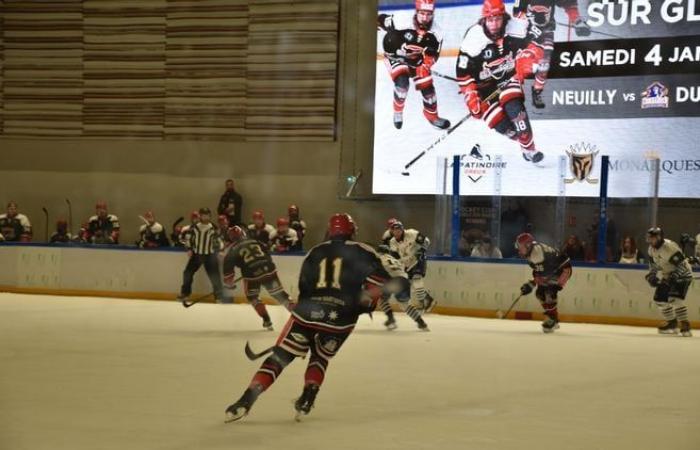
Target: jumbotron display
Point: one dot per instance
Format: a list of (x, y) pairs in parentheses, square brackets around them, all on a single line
[(514, 87)]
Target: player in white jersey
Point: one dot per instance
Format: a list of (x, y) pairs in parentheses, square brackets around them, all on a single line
[(671, 275), (410, 246)]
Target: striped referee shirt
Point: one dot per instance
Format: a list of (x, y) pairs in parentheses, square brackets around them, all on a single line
[(204, 239)]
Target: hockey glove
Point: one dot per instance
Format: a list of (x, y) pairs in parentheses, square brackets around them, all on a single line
[(526, 60), (526, 288), (581, 28), (385, 22), (652, 279), (673, 277), (473, 101), (694, 260)]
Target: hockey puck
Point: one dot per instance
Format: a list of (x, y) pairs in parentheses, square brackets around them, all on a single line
[(405, 174)]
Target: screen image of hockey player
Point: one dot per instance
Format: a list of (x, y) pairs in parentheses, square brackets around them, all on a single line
[(616, 78)]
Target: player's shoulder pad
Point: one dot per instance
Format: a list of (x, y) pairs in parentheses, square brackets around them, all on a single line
[(537, 253), (475, 40), (142, 228), (293, 233), (517, 27), (251, 226), (437, 31), (157, 228), (112, 218), (93, 218), (671, 246), (269, 228), (273, 234)]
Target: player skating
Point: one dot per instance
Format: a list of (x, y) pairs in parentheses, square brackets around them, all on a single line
[(257, 269), (496, 55), (671, 275), (410, 50), (540, 14), (334, 280), (550, 271), (410, 246)]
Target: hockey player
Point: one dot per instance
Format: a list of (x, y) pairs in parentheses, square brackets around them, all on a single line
[(410, 246), (540, 14), (259, 230), (550, 271), (410, 50), (496, 55), (386, 236), (671, 275), (283, 239), (298, 225), (14, 226), (103, 228), (257, 269), (152, 234), (181, 234), (62, 235), (400, 287), (339, 280)]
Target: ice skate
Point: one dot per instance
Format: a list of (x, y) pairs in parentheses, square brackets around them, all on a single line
[(670, 327), (685, 329), (533, 157), (305, 403), (476, 152), (267, 324), (537, 100), (429, 303), (398, 120), (440, 123), (549, 325), (241, 408), (183, 297), (390, 324), (422, 326)]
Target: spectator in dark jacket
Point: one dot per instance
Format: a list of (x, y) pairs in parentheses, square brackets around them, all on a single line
[(231, 204), (573, 248)]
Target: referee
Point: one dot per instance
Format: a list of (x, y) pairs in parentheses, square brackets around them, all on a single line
[(202, 245)]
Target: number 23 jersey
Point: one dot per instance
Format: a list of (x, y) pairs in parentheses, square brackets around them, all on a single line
[(253, 260), (333, 276)]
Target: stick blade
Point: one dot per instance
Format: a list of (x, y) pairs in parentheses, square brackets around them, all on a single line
[(249, 352)]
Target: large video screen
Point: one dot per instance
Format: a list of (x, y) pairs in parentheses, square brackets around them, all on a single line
[(555, 78)]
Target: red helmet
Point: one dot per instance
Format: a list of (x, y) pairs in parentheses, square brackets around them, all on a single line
[(524, 241), (282, 222), (223, 220), (390, 223), (194, 215), (493, 8), (425, 5), (341, 225), (258, 214), (236, 233)]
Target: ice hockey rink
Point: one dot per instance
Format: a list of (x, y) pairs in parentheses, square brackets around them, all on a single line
[(95, 373)]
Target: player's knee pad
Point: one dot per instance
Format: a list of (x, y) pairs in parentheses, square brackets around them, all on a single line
[(280, 358), (495, 118), (661, 293), (401, 82)]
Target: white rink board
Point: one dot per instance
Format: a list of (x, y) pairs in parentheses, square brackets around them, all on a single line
[(474, 285)]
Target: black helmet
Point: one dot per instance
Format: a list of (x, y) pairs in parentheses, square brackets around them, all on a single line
[(656, 232)]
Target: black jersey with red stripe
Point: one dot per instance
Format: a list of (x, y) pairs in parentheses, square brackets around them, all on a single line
[(333, 277), (251, 257), (541, 12)]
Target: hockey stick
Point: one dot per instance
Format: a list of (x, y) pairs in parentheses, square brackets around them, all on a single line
[(70, 216), (501, 315), (446, 77), (449, 131), (252, 355), (46, 229), (602, 33), (194, 301)]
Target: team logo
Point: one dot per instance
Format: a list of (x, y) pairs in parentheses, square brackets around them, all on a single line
[(477, 163), (316, 315), (300, 338), (331, 345), (581, 162), (333, 315), (655, 96)]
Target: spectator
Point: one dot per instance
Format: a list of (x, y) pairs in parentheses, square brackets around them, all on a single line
[(283, 239), (259, 230), (468, 240), (573, 248), (629, 254), (61, 235), (231, 204), (102, 228), (297, 225), (15, 227), (152, 234), (485, 249)]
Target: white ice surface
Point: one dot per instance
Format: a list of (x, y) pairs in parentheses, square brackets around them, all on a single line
[(87, 373)]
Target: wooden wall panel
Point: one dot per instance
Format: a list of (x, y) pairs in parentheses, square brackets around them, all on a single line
[(292, 60), (124, 68), (42, 71), (206, 69)]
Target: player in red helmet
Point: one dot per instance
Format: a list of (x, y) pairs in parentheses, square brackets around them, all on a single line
[(335, 278), (103, 228), (496, 55), (298, 225), (62, 233), (284, 238), (259, 229), (410, 51), (151, 233), (550, 271)]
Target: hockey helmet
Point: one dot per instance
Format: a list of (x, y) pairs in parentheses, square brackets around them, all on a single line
[(223, 220), (493, 8), (425, 5), (258, 215), (282, 222), (658, 233), (293, 210), (523, 243), (341, 225), (390, 223), (236, 233)]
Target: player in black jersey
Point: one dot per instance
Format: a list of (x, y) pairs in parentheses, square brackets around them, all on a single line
[(550, 271), (410, 50), (339, 280), (540, 14), (496, 55), (257, 269)]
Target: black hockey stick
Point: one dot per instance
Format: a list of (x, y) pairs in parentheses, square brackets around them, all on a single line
[(187, 303), (252, 355), (177, 222), (449, 131), (46, 229), (446, 77), (501, 315), (70, 216), (602, 33)]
